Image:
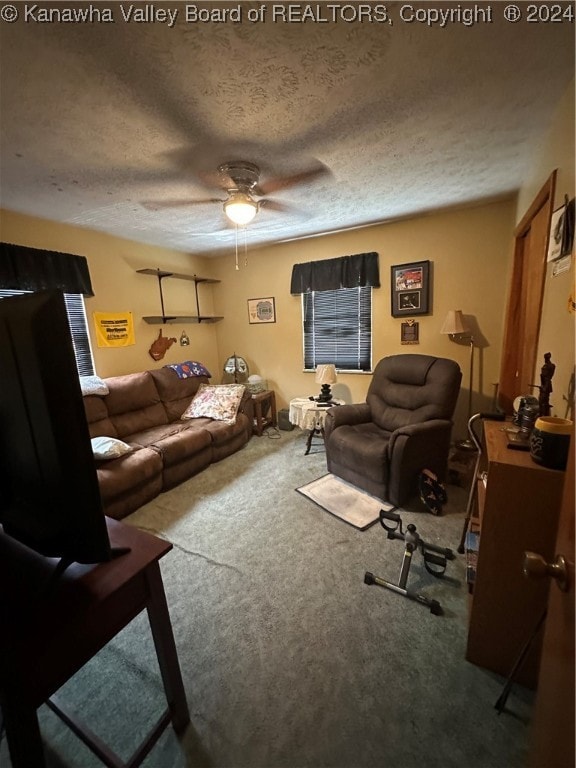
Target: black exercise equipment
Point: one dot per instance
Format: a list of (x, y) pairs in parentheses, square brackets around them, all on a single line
[(433, 556)]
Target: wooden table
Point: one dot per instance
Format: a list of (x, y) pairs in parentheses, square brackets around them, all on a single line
[(264, 411), (45, 640)]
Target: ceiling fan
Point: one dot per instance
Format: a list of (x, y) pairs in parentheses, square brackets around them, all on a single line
[(240, 179)]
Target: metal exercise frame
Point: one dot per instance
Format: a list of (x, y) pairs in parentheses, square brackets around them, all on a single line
[(433, 556)]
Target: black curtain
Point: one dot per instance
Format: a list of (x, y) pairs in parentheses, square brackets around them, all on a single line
[(32, 269), (331, 274)]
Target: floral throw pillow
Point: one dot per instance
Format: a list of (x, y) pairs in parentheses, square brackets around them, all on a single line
[(216, 401)]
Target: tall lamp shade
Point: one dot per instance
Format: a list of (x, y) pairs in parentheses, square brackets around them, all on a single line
[(456, 327), (454, 323)]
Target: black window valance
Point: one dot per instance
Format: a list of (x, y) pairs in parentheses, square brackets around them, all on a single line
[(32, 269), (331, 274)]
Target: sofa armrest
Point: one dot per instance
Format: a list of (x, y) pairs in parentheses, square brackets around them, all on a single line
[(339, 415), (247, 406), (413, 448)]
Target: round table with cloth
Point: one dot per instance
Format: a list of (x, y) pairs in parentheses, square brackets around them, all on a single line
[(309, 416)]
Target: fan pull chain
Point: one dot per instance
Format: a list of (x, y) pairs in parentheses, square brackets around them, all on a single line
[(236, 231), (245, 248)]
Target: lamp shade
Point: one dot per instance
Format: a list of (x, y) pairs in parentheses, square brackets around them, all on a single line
[(326, 374), (454, 323), (240, 209)]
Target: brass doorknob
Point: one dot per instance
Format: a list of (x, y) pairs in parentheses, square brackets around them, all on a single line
[(535, 567)]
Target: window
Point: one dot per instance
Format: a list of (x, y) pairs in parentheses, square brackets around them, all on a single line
[(338, 328), (78, 327)]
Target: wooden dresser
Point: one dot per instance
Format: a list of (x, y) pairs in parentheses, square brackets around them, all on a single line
[(517, 509)]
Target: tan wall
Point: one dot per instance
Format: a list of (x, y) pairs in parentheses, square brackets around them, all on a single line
[(470, 250), (557, 331), (117, 287)]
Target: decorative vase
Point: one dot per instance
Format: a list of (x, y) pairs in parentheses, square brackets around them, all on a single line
[(550, 440)]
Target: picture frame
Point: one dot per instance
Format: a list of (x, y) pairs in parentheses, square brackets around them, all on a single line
[(556, 233), (410, 288), (409, 332), (261, 310)]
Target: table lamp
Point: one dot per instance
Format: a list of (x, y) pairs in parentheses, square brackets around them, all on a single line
[(325, 375), (455, 327)]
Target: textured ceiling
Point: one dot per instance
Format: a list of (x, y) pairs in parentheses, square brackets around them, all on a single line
[(100, 119)]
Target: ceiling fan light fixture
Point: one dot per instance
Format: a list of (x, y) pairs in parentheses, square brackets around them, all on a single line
[(240, 208)]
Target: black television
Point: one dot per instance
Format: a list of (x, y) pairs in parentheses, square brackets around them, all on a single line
[(49, 495)]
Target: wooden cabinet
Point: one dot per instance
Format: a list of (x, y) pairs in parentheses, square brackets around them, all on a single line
[(164, 319), (517, 510)]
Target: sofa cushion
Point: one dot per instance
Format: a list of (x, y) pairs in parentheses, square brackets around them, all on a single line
[(173, 442), (368, 444), (176, 393), (136, 469), (411, 389), (218, 401), (97, 417), (134, 403)]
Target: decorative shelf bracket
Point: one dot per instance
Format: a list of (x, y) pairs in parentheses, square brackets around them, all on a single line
[(163, 319)]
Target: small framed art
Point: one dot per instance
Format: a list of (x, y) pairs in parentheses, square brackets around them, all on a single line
[(410, 288), (261, 310), (409, 332)]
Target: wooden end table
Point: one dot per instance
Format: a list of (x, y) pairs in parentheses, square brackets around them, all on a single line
[(264, 411), (50, 639)]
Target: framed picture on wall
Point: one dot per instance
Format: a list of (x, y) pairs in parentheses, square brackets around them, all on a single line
[(409, 332), (261, 310), (410, 288)]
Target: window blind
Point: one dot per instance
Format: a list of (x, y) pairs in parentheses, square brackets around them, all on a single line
[(78, 327), (337, 328)]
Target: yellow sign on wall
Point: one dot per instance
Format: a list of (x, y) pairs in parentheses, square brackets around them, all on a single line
[(114, 329)]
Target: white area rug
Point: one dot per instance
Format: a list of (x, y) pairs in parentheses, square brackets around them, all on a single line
[(344, 501)]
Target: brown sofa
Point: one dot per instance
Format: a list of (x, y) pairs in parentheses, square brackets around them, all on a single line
[(143, 410)]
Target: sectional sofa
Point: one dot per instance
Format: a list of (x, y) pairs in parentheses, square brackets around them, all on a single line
[(142, 412)]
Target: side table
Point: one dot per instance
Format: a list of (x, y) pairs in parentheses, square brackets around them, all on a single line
[(309, 416), (264, 411), (51, 638)]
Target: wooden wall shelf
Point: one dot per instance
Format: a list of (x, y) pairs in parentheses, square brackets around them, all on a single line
[(165, 319)]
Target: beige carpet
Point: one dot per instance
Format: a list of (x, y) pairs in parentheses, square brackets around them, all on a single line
[(344, 501)]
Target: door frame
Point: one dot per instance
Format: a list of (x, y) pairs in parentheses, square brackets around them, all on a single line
[(514, 357)]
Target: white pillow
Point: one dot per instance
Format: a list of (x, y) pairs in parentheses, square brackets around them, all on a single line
[(108, 448), (93, 385), (216, 401)]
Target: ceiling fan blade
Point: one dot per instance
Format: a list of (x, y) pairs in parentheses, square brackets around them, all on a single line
[(273, 185), (215, 179), (157, 205), (275, 205)]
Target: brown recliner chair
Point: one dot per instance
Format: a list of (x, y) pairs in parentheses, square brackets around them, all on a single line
[(403, 427)]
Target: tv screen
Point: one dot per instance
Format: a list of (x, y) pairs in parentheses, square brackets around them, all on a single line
[(49, 496)]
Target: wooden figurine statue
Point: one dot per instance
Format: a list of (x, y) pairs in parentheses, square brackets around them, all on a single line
[(546, 374)]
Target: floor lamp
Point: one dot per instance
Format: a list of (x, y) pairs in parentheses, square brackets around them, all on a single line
[(455, 327)]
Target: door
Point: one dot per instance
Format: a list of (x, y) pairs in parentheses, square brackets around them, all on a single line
[(553, 723), (525, 301)]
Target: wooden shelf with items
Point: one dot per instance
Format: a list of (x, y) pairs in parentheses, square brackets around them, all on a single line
[(165, 319), (517, 507)]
